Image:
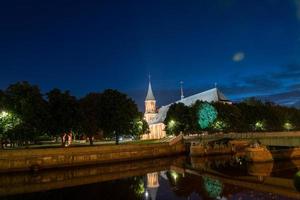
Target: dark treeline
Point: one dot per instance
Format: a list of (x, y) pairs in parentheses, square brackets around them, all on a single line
[(247, 116), (27, 115)]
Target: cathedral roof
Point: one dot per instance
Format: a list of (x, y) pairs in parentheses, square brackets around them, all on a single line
[(212, 95), (150, 95)]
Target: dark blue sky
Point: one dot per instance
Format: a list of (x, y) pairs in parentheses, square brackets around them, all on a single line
[(248, 47)]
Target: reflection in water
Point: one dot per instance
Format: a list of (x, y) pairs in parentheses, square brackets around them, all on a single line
[(213, 187), (260, 170), (152, 185), (223, 177), (297, 180)]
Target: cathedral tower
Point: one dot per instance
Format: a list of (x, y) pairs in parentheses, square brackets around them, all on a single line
[(150, 104), (152, 184)]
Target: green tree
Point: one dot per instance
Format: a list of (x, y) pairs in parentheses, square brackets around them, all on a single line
[(229, 118), (64, 112), (90, 107), (139, 126), (118, 112), (178, 119), (26, 102), (8, 122), (204, 115)]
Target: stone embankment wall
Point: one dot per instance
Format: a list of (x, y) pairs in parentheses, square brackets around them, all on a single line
[(23, 182), (287, 138), (262, 154), (200, 150), (26, 159), (232, 147)]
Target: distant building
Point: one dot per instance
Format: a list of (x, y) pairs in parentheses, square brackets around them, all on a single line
[(155, 118)]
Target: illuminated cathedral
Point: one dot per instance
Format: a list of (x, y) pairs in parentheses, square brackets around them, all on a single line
[(155, 117)]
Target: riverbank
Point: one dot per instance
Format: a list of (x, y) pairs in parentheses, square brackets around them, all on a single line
[(262, 154), (24, 182), (36, 159)]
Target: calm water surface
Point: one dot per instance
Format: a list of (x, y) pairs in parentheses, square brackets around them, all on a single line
[(222, 177)]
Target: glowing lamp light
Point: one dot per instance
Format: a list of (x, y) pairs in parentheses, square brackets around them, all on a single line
[(219, 125), (8, 120), (146, 194), (174, 175), (140, 125), (259, 125), (288, 126), (3, 114), (171, 123)]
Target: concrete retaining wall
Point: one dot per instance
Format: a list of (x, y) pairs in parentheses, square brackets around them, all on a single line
[(198, 150), (262, 154), (26, 159), (286, 138), (23, 182)]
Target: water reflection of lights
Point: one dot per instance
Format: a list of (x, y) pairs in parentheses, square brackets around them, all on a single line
[(297, 181), (174, 175), (213, 187)]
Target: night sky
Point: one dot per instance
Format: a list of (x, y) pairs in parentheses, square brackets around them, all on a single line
[(250, 48)]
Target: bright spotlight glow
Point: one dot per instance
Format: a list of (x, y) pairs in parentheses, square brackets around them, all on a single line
[(146, 194), (219, 125), (3, 114), (288, 126), (259, 125), (8, 120), (207, 114), (174, 175), (171, 123)]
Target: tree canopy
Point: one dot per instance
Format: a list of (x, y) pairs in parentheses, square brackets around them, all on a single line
[(118, 112), (178, 119), (246, 116), (26, 114), (27, 104), (64, 112)]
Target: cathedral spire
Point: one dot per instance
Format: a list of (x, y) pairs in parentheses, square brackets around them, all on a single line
[(181, 90), (150, 95)]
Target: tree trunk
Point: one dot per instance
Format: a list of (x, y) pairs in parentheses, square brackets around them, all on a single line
[(62, 141), (91, 140), (117, 138)]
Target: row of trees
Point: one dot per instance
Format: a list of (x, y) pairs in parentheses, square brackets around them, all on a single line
[(249, 115), (26, 114)]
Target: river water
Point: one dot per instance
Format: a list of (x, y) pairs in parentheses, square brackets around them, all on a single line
[(218, 177)]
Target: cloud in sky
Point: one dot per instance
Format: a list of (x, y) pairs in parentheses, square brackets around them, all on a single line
[(239, 56), (281, 86)]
